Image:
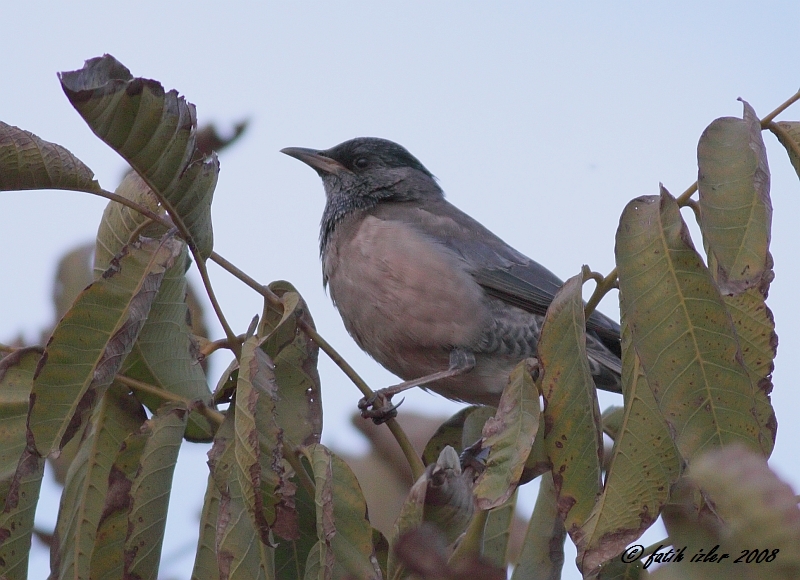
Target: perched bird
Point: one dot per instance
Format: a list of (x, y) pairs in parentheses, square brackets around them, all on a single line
[(426, 290)]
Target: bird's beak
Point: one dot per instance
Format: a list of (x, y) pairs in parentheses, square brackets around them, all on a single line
[(315, 159)]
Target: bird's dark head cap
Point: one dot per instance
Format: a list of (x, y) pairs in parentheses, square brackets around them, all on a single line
[(362, 173), (357, 156)]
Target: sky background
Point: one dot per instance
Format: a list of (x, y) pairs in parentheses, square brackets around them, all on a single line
[(542, 120)]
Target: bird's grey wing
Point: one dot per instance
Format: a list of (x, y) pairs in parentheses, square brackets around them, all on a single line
[(502, 271)]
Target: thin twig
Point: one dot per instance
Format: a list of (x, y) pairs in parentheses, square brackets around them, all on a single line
[(212, 346), (780, 109), (414, 461), (211, 414), (686, 195), (765, 123), (176, 221), (602, 288), (302, 475)]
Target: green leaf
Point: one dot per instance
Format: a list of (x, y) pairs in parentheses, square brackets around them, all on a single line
[(613, 417), (108, 557), (28, 162), (267, 492), (682, 331), (644, 465), (291, 555), (573, 437), (509, 436), (150, 490), (344, 536), (16, 519), (409, 518), (239, 552), (165, 354), (757, 508), (154, 131), (16, 380), (20, 467), (542, 556), (74, 273), (86, 499), (497, 532), (449, 502), (441, 498), (90, 343), (205, 563), (735, 207), (788, 133), (295, 355), (755, 328), (451, 432), (616, 569)]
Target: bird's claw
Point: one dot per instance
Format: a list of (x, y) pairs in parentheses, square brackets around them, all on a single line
[(378, 407)]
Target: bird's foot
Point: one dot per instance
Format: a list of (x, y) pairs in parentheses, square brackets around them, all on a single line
[(378, 406)]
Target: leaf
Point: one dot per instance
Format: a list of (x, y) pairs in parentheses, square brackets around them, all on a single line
[(509, 435), (291, 555), (344, 546), (150, 490), (74, 273), (735, 207), (409, 518), (644, 465), (573, 439), (497, 532), (788, 133), (108, 557), (209, 139), (21, 469), (451, 432), (28, 162), (613, 417), (542, 556), (205, 563), (165, 354), (440, 498), (16, 380), (154, 131), (86, 500), (295, 355), (267, 492), (449, 502), (16, 519), (90, 343), (240, 553), (618, 570), (755, 329), (758, 509), (682, 332)]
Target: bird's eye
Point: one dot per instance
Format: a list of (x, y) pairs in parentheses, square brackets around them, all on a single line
[(361, 162)]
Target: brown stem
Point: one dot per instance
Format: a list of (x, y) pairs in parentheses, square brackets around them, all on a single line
[(780, 109), (603, 287), (211, 414)]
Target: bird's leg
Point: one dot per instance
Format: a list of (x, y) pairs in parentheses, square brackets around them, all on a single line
[(379, 407)]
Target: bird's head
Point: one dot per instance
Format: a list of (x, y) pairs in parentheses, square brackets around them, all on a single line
[(363, 172)]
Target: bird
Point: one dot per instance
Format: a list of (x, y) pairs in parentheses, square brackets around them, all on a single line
[(425, 289)]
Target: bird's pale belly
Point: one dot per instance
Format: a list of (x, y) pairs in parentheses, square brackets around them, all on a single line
[(408, 302)]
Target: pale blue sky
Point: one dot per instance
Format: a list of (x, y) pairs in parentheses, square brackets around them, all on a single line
[(539, 119)]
